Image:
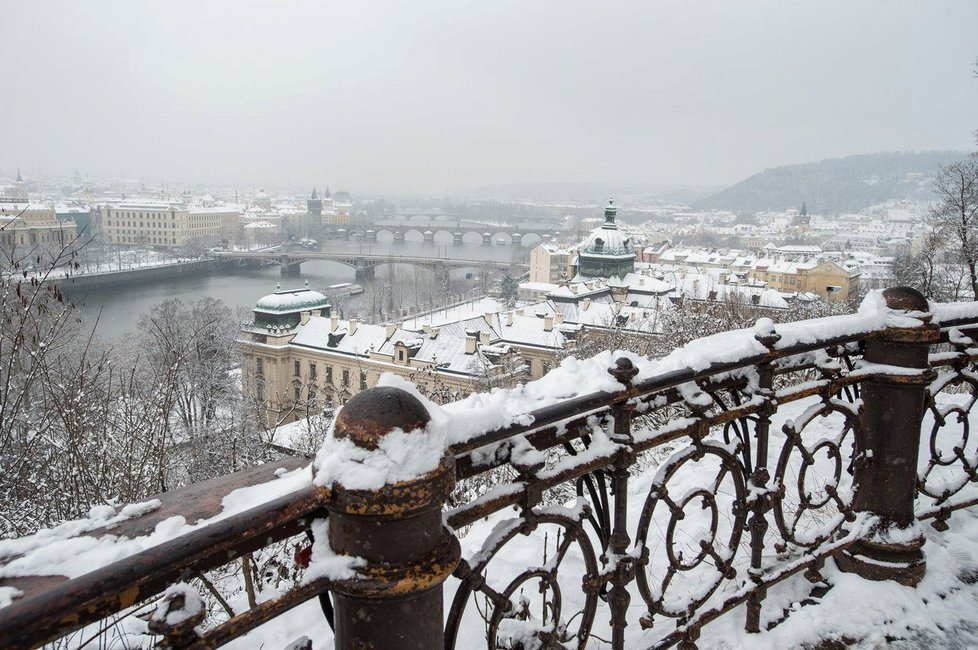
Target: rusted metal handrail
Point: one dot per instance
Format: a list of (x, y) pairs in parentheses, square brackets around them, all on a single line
[(398, 530)]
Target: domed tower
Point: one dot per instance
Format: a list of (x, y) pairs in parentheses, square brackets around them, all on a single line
[(263, 200), (607, 251), (283, 309)]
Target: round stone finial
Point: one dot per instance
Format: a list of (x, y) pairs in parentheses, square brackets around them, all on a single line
[(623, 370), (373, 413), (905, 299)]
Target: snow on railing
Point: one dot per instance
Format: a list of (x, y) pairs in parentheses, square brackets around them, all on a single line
[(759, 453)]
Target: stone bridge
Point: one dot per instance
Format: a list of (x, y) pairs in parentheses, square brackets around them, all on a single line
[(363, 264), (489, 233)]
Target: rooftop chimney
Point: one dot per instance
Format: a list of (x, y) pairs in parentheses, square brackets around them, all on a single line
[(469, 343), (548, 323), (586, 303), (509, 318), (304, 317), (434, 332), (352, 326), (334, 322), (559, 317), (484, 337), (390, 329)]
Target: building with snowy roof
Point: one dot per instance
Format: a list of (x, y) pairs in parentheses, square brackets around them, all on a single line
[(165, 224), (297, 357), (26, 225)]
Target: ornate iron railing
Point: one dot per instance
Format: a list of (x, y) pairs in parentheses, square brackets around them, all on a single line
[(735, 504)]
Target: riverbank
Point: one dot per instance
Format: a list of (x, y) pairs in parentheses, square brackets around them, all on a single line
[(138, 275)]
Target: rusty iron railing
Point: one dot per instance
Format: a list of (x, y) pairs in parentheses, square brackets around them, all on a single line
[(732, 509)]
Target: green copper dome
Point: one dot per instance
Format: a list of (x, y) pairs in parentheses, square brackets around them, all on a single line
[(282, 308), (607, 250)]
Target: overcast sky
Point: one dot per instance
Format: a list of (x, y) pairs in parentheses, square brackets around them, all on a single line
[(430, 95)]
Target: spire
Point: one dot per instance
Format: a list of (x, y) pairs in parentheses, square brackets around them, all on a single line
[(610, 211), (327, 191), (19, 179), (315, 195)]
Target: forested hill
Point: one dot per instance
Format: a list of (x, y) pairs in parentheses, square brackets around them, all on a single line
[(837, 185)]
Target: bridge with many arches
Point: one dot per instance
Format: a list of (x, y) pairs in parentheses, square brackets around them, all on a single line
[(488, 234), (363, 264)]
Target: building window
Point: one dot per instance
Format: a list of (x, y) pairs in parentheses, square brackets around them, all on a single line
[(312, 371), (296, 368), (363, 380), (260, 367), (329, 374), (298, 392), (346, 377)]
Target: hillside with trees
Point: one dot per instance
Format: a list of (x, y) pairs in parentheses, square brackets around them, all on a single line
[(837, 185)]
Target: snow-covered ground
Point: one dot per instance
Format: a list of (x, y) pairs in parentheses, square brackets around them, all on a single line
[(939, 612)]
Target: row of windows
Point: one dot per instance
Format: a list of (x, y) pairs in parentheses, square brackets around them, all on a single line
[(119, 239), (314, 373), (133, 224), (140, 215)]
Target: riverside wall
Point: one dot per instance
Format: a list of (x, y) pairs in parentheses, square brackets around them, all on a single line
[(138, 275)]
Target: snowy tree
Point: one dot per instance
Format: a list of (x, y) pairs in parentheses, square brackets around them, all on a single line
[(77, 427), (509, 289), (956, 213)]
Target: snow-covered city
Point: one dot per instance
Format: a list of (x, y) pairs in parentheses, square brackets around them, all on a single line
[(525, 326)]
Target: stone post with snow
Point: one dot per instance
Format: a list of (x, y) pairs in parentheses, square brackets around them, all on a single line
[(886, 471), (384, 477)]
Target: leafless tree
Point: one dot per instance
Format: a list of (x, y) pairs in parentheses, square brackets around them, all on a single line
[(956, 213)]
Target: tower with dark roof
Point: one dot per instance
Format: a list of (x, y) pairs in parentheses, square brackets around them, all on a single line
[(314, 204), (20, 187)]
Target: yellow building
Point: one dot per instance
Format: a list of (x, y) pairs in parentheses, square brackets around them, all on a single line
[(827, 279), (162, 224), (24, 226), (549, 264), (297, 358)]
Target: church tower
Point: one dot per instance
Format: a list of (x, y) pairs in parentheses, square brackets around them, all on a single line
[(314, 205), (20, 187)]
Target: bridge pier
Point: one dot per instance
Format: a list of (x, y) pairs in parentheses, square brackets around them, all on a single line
[(371, 235), (363, 270), (429, 237), (487, 239), (291, 270), (343, 233), (457, 238), (517, 238), (398, 235)]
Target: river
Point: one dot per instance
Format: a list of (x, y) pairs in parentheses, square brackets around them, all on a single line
[(117, 309)]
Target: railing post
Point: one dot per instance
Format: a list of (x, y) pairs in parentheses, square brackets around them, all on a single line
[(886, 474), (397, 600), (618, 597)]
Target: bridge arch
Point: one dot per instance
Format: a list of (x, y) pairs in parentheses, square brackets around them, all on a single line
[(531, 240), (414, 234), (471, 237), (443, 236), (385, 235), (501, 236)]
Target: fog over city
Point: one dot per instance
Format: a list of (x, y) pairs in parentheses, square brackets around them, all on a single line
[(440, 95)]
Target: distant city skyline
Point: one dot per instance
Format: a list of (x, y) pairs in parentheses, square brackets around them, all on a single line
[(436, 96)]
